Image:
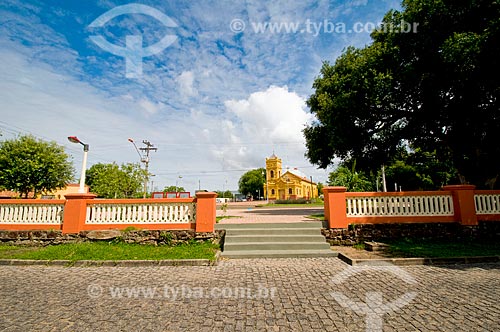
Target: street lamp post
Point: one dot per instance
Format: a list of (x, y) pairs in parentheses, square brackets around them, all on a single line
[(152, 182), (266, 194), (74, 139), (312, 194), (177, 183)]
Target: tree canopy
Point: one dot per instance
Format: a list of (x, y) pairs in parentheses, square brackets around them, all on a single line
[(30, 165), (173, 189), (224, 194), (252, 182), (418, 170), (435, 88), (350, 178), (113, 181)]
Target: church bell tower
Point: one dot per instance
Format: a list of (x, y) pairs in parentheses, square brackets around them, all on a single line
[(273, 168)]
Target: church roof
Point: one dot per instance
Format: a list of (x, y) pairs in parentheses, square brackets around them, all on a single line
[(298, 173), (273, 156)]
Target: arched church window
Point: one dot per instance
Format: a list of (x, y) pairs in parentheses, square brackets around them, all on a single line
[(272, 174)]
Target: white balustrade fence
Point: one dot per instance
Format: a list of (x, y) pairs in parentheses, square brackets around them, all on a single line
[(417, 205), (487, 203), (44, 214), (140, 213)]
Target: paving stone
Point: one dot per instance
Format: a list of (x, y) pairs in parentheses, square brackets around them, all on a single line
[(111, 298)]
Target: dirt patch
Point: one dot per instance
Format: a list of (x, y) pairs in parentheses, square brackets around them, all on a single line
[(356, 253)]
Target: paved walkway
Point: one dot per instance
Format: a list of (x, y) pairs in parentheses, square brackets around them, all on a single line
[(247, 213), (318, 294)]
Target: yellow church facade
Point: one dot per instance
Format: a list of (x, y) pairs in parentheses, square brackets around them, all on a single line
[(291, 184)]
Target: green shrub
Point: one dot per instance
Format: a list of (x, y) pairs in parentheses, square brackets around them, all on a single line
[(293, 201)]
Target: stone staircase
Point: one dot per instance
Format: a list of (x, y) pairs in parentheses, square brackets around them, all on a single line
[(275, 240)]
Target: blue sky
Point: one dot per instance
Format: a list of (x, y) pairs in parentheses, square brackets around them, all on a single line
[(227, 92)]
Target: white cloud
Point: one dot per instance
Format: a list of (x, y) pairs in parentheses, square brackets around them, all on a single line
[(186, 84), (149, 107), (275, 115), (251, 128)]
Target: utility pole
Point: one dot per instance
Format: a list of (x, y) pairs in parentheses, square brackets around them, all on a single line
[(145, 150), (145, 159)]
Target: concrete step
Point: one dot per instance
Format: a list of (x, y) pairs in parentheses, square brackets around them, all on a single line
[(306, 224), (274, 238), (276, 246), (279, 253), (272, 231)]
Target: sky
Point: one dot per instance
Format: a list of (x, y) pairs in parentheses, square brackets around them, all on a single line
[(215, 86)]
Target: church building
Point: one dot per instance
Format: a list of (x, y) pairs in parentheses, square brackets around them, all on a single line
[(292, 184)]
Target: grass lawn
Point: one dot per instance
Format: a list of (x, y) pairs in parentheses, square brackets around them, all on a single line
[(413, 248), (217, 219), (320, 216), (110, 251)]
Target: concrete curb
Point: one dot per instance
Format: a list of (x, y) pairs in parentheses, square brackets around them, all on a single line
[(420, 261), (107, 263)]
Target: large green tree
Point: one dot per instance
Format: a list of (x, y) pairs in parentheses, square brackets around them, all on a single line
[(252, 182), (113, 181), (30, 165), (435, 87)]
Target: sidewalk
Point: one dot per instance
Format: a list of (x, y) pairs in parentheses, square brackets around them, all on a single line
[(246, 212)]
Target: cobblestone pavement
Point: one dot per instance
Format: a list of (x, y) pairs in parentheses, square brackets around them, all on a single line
[(319, 294)]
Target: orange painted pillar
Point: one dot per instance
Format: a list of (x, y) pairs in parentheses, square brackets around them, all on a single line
[(326, 199), (335, 207), (75, 212), (463, 203), (205, 211)]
